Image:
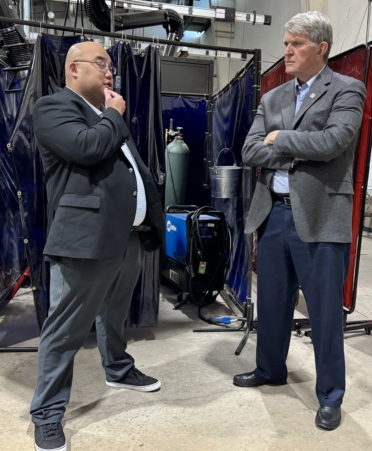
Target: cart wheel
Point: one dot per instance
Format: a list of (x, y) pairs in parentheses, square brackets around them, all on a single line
[(180, 296), (368, 330)]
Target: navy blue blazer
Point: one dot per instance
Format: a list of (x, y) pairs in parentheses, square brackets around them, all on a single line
[(90, 185)]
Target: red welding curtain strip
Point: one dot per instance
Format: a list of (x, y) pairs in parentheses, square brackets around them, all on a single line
[(274, 77), (352, 64), (360, 178)]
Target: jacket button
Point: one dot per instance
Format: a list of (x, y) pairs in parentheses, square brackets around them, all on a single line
[(130, 169), (134, 193)]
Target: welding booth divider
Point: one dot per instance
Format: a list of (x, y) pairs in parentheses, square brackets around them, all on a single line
[(232, 116), (354, 63), (190, 112), (12, 260), (22, 162), (231, 113), (140, 86), (214, 124), (45, 77), (24, 196)]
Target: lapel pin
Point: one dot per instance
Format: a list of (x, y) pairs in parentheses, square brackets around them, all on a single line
[(312, 96)]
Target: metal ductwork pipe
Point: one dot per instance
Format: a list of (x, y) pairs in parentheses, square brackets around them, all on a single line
[(26, 15), (170, 50)]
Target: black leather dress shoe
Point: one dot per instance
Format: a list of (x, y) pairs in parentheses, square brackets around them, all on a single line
[(328, 417), (251, 380)]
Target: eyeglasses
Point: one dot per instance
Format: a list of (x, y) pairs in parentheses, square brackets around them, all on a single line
[(104, 67)]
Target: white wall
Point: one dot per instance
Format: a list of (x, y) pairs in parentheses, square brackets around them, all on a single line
[(267, 38), (348, 17), (246, 36), (349, 21)]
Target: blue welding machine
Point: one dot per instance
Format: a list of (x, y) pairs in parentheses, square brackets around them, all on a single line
[(197, 246)]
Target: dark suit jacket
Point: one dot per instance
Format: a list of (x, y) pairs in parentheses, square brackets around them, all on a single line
[(91, 186), (324, 133)]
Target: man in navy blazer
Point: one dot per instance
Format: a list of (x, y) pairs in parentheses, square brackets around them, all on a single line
[(103, 212), (303, 138)]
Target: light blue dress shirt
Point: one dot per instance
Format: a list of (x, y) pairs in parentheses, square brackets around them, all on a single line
[(141, 195), (279, 183)]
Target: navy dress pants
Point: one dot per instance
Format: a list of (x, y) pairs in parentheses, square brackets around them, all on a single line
[(285, 263)]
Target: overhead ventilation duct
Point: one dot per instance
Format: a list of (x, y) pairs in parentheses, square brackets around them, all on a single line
[(18, 52), (13, 39), (100, 15)]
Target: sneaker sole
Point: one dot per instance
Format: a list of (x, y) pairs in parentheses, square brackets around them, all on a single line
[(62, 448), (144, 388)]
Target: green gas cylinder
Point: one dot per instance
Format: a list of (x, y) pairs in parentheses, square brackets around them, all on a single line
[(177, 163)]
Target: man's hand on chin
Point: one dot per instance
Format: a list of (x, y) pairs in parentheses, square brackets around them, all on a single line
[(270, 138), (114, 100)]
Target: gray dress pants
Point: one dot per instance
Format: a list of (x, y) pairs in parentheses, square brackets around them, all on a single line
[(82, 291)]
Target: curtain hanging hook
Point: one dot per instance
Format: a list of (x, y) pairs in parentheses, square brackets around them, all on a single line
[(40, 33)]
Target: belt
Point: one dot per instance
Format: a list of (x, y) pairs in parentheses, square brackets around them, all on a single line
[(279, 197), (141, 228)]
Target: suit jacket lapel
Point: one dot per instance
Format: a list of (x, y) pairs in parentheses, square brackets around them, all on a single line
[(317, 90), (288, 102), (91, 116)]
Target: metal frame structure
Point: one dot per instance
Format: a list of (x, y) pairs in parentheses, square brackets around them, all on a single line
[(350, 326), (256, 53), (247, 308), (213, 50), (302, 326)]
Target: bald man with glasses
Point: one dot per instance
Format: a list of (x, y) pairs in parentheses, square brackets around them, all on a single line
[(103, 212)]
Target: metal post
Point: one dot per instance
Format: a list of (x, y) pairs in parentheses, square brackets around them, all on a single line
[(26, 10), (112, 27), (361, 224), (368, 20), (169, 50)]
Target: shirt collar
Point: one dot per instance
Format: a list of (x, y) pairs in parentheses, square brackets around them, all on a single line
[(309, 83), (96, 110)]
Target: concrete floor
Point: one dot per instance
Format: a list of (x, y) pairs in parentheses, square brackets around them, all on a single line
[(198, 407)]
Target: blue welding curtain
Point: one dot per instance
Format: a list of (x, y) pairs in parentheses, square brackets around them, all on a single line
[(138, 81), (12, 259), (191, 114), (46, 77), (232, 118)]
